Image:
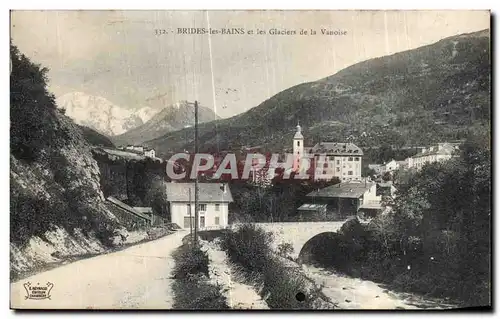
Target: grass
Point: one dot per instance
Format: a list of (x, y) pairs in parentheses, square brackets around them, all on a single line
[(192, 290)]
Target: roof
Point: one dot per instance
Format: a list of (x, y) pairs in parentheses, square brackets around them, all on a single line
[(298, 135), (343, 190), (144, 210), (312, 207), (208, 192), (336, 148), (126, 207)]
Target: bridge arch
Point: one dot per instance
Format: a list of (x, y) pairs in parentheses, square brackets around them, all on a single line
[(319, 249), (299, 233)]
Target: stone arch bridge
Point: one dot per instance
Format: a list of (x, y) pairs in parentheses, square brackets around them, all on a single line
[(298, 233)]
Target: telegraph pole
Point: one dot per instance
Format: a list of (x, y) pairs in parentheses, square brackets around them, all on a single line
[(190, 216), (196, 195)]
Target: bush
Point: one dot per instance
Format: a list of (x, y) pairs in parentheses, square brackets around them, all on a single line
[(249, 247), (190, 260), (285, 250)]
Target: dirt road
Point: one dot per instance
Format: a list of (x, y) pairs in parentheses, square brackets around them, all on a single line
[(134, 278)]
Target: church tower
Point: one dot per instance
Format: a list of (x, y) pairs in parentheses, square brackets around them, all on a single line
[(298, 147)]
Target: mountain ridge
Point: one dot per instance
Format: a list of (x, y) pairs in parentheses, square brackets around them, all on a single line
[(435, 92), (171, 118)]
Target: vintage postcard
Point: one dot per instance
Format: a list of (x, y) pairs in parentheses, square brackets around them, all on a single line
[(250, 160)]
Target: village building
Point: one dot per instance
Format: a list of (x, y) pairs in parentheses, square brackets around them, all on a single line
[(140, 150), (381, 169), (135, 148), (390, 166), (214, 199), (343, 200), (342, 160), (436, 153), (149, 152)]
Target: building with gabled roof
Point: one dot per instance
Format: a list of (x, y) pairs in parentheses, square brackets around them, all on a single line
[(347, 198), (214, 199), (435, 153)]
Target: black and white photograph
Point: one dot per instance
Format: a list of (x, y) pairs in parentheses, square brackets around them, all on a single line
[(250, 160)]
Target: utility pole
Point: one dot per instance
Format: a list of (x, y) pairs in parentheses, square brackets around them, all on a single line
[(190, 216), (196, 195)]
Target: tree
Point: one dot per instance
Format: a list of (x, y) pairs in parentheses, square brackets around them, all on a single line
[(157, 198), (32, 109)]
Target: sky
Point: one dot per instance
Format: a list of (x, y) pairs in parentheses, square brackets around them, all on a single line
[(119, 56)]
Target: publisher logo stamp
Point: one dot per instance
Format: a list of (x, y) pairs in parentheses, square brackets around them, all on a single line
[(38, 292)]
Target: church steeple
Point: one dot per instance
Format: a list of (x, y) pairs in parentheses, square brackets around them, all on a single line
[(298, 147), (298, 134)]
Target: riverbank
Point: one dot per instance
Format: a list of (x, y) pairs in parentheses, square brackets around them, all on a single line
[(356, 293)]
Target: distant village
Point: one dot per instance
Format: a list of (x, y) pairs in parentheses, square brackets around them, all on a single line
[(354, 196), (141, 150)]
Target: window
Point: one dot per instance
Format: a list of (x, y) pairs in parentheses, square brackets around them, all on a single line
[(203, 207), (188, 209), (298, 143), (217, 220), (338, 169), (356, 159), (338, 162), (331, 158), (350, 159), (349, 173), (217, 207)]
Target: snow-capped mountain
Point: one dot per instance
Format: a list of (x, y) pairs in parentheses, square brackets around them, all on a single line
[(102, 115), (173, 117)]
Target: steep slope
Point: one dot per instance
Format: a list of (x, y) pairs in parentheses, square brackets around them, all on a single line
[(101, 115), (172, 118), (57, 208), (429, 94), (95, 138)]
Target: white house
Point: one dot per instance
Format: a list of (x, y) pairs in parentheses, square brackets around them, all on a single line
[(342, 160), (214, 199), (391, 166), (149, 153)]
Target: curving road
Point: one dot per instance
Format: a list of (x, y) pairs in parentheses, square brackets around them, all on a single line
[(134, 278)]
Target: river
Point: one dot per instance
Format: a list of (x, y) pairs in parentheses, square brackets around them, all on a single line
[(355, 293)]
